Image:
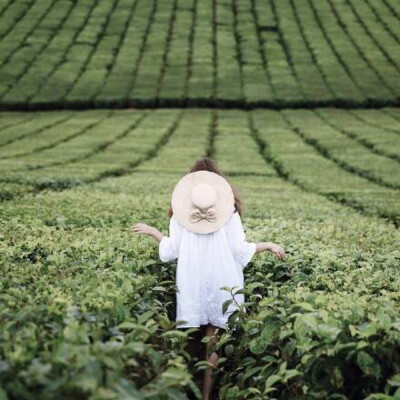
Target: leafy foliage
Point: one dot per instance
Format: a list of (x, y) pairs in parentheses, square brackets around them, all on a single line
[(88, 311)]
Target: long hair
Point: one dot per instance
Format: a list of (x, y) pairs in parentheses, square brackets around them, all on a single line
[(208, 164)]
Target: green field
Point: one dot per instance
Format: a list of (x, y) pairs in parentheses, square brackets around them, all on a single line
[(64, 53), (106, 104)]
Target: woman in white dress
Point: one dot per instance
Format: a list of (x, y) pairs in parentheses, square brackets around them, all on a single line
[(207, 262)]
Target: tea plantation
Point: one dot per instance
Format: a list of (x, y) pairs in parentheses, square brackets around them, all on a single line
[(106, 104)]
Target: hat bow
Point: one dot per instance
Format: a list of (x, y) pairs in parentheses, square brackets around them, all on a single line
[(199, 214)]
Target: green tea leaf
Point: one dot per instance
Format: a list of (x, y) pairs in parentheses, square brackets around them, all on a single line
[(368, 365)]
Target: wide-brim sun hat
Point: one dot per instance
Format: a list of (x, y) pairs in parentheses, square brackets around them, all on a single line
[(203, 201)]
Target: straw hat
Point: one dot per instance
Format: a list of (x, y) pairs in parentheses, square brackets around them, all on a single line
[(203, 201)]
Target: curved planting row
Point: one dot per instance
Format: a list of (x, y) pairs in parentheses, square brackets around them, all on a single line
[(100, 145), (301, 159), (171, 53), (339, 154)]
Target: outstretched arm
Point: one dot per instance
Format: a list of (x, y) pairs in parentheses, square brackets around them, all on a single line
[(272, 247), (168, 245), (145, 229), (243, 251)]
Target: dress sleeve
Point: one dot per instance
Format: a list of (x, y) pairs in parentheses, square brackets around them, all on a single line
[(169, 245), (242, 251)]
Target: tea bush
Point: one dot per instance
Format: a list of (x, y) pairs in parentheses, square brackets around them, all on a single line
[(88, 310)]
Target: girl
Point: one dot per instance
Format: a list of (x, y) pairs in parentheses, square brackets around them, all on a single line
[(206, 262)]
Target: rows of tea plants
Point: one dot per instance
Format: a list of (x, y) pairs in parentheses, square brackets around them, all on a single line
[(80, 54), (351, 157), (307, 129), (87, 309)]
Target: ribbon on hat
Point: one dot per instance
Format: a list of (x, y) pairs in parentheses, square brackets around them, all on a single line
[(208, 214)]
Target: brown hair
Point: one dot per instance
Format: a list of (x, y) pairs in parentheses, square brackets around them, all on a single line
[(208, 164)]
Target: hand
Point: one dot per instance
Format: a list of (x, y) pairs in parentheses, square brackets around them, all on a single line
[(145, 229), (277, 250), (141, 228)]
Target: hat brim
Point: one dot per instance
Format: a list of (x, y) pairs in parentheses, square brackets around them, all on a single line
[(182, 205)]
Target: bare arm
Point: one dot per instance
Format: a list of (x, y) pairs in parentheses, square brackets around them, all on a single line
[(272, 247), (145, 229)]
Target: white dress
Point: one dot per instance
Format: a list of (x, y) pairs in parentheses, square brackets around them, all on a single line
[(206, 262)]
